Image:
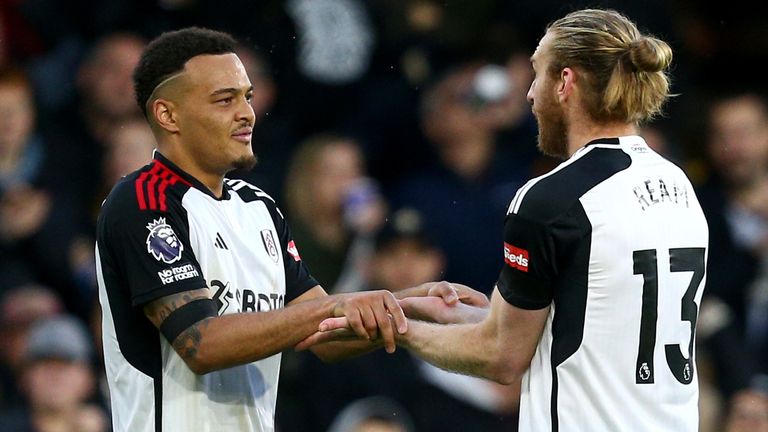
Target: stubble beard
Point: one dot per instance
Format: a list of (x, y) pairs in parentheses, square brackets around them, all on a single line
[(246, 162), (553, 129)]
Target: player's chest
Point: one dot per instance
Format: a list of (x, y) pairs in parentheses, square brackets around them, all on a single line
[(239, 252)]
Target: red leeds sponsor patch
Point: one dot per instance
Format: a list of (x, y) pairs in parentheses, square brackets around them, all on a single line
[(516, 257), (293, 251)]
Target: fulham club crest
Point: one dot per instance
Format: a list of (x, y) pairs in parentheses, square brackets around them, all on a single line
[(269, 244), (162, 242)]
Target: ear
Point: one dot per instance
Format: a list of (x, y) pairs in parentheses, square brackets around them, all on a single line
[(567, 84), (164, 113)]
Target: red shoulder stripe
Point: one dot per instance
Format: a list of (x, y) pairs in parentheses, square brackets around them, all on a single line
[(173, 173), (161, 190), (139, 184), (156, 181)]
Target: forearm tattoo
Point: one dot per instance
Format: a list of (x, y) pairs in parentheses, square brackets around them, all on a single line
[(160, 309), (188, 342)]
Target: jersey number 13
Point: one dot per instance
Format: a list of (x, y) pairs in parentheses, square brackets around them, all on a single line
[(645, 263)]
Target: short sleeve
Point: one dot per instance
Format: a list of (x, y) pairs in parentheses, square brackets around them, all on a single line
[(298, 280), (527, 276), (150, 250)]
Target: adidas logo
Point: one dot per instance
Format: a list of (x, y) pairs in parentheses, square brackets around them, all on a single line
[(219, 242)]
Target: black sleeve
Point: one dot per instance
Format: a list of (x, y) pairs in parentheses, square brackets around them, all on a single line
[(150, 249), (529, 263), (298, 280)]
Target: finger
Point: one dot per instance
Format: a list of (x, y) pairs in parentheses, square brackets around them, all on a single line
[(311, 340), (324, 337), (470, 296), (370, 321), (474, 300), (401, 323), (446, 291), (356, 323), (330, 324), (385, 327)]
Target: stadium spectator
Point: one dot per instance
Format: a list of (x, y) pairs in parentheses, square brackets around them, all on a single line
[(57, 381), (38, 217), (468, 184), (748, 411), (373, 414), (332, 207), (21, 306), (81, 131), (734, 200)]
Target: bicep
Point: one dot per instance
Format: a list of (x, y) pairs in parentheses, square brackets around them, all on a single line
[(158, 310)]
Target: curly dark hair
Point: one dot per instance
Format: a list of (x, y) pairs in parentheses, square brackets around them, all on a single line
[(168, 53)]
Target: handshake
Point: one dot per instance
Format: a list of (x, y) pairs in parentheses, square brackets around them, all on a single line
[(382, 317)]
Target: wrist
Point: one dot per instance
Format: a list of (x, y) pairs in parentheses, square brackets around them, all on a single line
[(403, 339), (335, 306)]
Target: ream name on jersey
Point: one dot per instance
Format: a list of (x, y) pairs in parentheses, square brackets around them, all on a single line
[(658, 191)]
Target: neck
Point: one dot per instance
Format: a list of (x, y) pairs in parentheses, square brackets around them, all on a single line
[(214, 181), (582, 132)]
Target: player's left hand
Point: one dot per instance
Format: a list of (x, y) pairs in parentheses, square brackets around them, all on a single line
[(453, 293), (436, 309)]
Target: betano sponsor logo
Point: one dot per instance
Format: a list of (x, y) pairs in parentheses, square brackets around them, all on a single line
[(516, 257), (230, 299)]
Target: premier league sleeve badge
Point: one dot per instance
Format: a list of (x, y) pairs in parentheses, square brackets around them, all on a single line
[(162, 242)]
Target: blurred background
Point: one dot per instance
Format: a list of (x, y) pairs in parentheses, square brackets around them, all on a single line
[(393, 133)]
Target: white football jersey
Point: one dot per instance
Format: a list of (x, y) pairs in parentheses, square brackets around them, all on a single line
[(161, 232), (615, 241)]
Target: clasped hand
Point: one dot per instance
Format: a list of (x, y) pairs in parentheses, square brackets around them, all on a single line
[(370, 316), (376, 315)]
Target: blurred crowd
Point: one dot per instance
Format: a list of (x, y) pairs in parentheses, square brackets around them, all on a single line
[(393, 134)]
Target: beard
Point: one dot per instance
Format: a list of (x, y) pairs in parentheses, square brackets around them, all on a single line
[(246, 162), (553, 129)]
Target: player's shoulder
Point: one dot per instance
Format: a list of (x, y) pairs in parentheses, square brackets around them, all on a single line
[(248, 192), (153, 188), (547, 196)]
